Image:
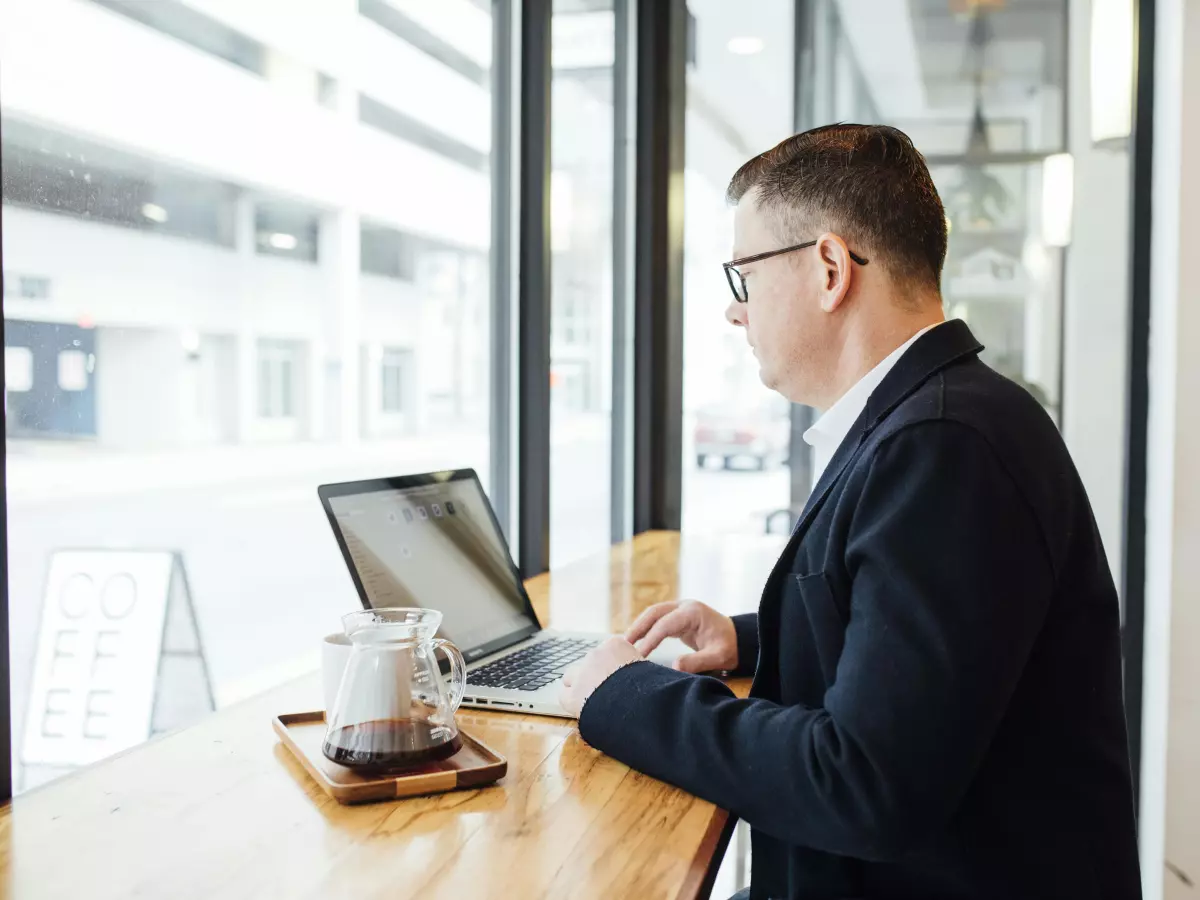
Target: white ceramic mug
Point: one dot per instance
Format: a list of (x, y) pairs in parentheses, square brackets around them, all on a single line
[(335, 653)]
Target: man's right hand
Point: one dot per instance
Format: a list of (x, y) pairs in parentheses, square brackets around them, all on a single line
[(709, 633)]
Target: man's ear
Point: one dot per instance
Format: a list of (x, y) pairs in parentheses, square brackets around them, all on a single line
[(835, 270)]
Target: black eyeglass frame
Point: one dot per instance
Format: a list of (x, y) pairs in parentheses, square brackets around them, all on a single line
[(731, 266)]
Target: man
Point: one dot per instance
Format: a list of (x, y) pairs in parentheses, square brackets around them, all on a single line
[(936, 709)]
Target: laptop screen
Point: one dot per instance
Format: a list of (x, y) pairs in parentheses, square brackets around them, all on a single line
[(434, 544)]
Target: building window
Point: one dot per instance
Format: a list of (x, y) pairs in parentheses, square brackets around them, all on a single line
[(277, 367), (72, 370), (287, 230), (70, 175), (387, 252), (18, 369), (391, 372), (27, 287)]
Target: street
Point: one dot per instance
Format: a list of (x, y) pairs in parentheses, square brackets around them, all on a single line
[(265, 573)]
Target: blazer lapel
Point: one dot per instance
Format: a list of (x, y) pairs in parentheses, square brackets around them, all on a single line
[(933, 351)]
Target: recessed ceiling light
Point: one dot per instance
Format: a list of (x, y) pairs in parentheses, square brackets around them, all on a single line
[(154, 212), (745, 46), (281, 241)]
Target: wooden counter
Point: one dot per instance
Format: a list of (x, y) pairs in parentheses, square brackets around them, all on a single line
[(222, 810)]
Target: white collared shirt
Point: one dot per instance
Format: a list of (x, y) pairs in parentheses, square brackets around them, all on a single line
[(828, 432)]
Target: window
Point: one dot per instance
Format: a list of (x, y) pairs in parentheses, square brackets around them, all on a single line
[(581, 241), (18, 369), (993, 84), (224, 287), (285, 229), (391, 370), (1001, 276), (52, 170), (72, 370), (276, 379), (29, 287), (388, 252), (981, 90), (736, 437)]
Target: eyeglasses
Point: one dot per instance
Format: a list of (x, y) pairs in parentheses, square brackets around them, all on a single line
[(739, 286)]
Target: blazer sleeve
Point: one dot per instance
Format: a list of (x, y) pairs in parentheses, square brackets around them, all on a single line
[(746, 627), (951, 579)]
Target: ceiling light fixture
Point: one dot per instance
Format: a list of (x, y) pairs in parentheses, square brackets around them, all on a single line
[(746, 46), (154, 212), (1058, 199), (282, 241)]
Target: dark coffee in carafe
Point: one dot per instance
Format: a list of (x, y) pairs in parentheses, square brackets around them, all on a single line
[(390, 744)]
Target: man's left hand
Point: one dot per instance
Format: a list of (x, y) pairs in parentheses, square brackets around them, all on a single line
[(593, 670)]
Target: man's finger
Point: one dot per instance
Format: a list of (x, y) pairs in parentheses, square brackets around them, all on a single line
[(701, 661), (646, 620), (670, 625), (568, 678)]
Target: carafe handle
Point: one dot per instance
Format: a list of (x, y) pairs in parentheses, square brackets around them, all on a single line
[(458, 671)]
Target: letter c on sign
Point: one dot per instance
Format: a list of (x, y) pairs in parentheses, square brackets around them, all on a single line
[(77, 595), (119, 596)]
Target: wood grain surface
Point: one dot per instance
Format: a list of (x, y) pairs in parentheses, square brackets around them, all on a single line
[(474, 765), (224, 810)]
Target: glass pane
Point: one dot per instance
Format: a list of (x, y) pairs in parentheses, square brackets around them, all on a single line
[(736, 432), (18, 369), (1001, 275), (972, 84), (72, 371), (201, 284), (957, 76), (581, 238)]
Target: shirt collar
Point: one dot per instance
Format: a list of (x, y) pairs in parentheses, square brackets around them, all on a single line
[(834, 424)]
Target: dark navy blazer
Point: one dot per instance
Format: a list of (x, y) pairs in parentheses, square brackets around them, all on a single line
[(936, 709)]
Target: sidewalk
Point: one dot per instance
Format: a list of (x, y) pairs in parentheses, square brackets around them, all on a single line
[(40, 471)]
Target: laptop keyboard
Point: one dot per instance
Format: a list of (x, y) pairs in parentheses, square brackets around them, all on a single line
[(532, 668)]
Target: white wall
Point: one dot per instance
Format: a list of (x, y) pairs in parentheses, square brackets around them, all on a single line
[(140, 396), (1170, 802), (1096, 304), (391, 311)]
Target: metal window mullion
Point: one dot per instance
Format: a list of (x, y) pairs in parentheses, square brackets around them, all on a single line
[(533, 290), (804, 55), (658, 266), (1133, 555), (5, 672), (624, 167), (501, 262)]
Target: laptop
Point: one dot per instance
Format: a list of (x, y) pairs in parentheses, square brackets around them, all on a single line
[(433, 541)]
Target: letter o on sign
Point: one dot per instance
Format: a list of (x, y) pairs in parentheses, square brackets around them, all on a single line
[(119, 597)]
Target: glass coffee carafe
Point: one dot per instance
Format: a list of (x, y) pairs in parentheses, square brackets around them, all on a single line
[(394, 710)]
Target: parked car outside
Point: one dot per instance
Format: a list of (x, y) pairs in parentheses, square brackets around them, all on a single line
[(758, 435)]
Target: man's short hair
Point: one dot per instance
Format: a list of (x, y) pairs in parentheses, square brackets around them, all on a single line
[(867, 183)]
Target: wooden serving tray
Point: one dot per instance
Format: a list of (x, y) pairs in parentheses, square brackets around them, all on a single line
[(474, 765)]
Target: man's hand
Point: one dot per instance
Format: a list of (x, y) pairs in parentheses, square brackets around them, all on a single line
[(701, 627), (593, 670)]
